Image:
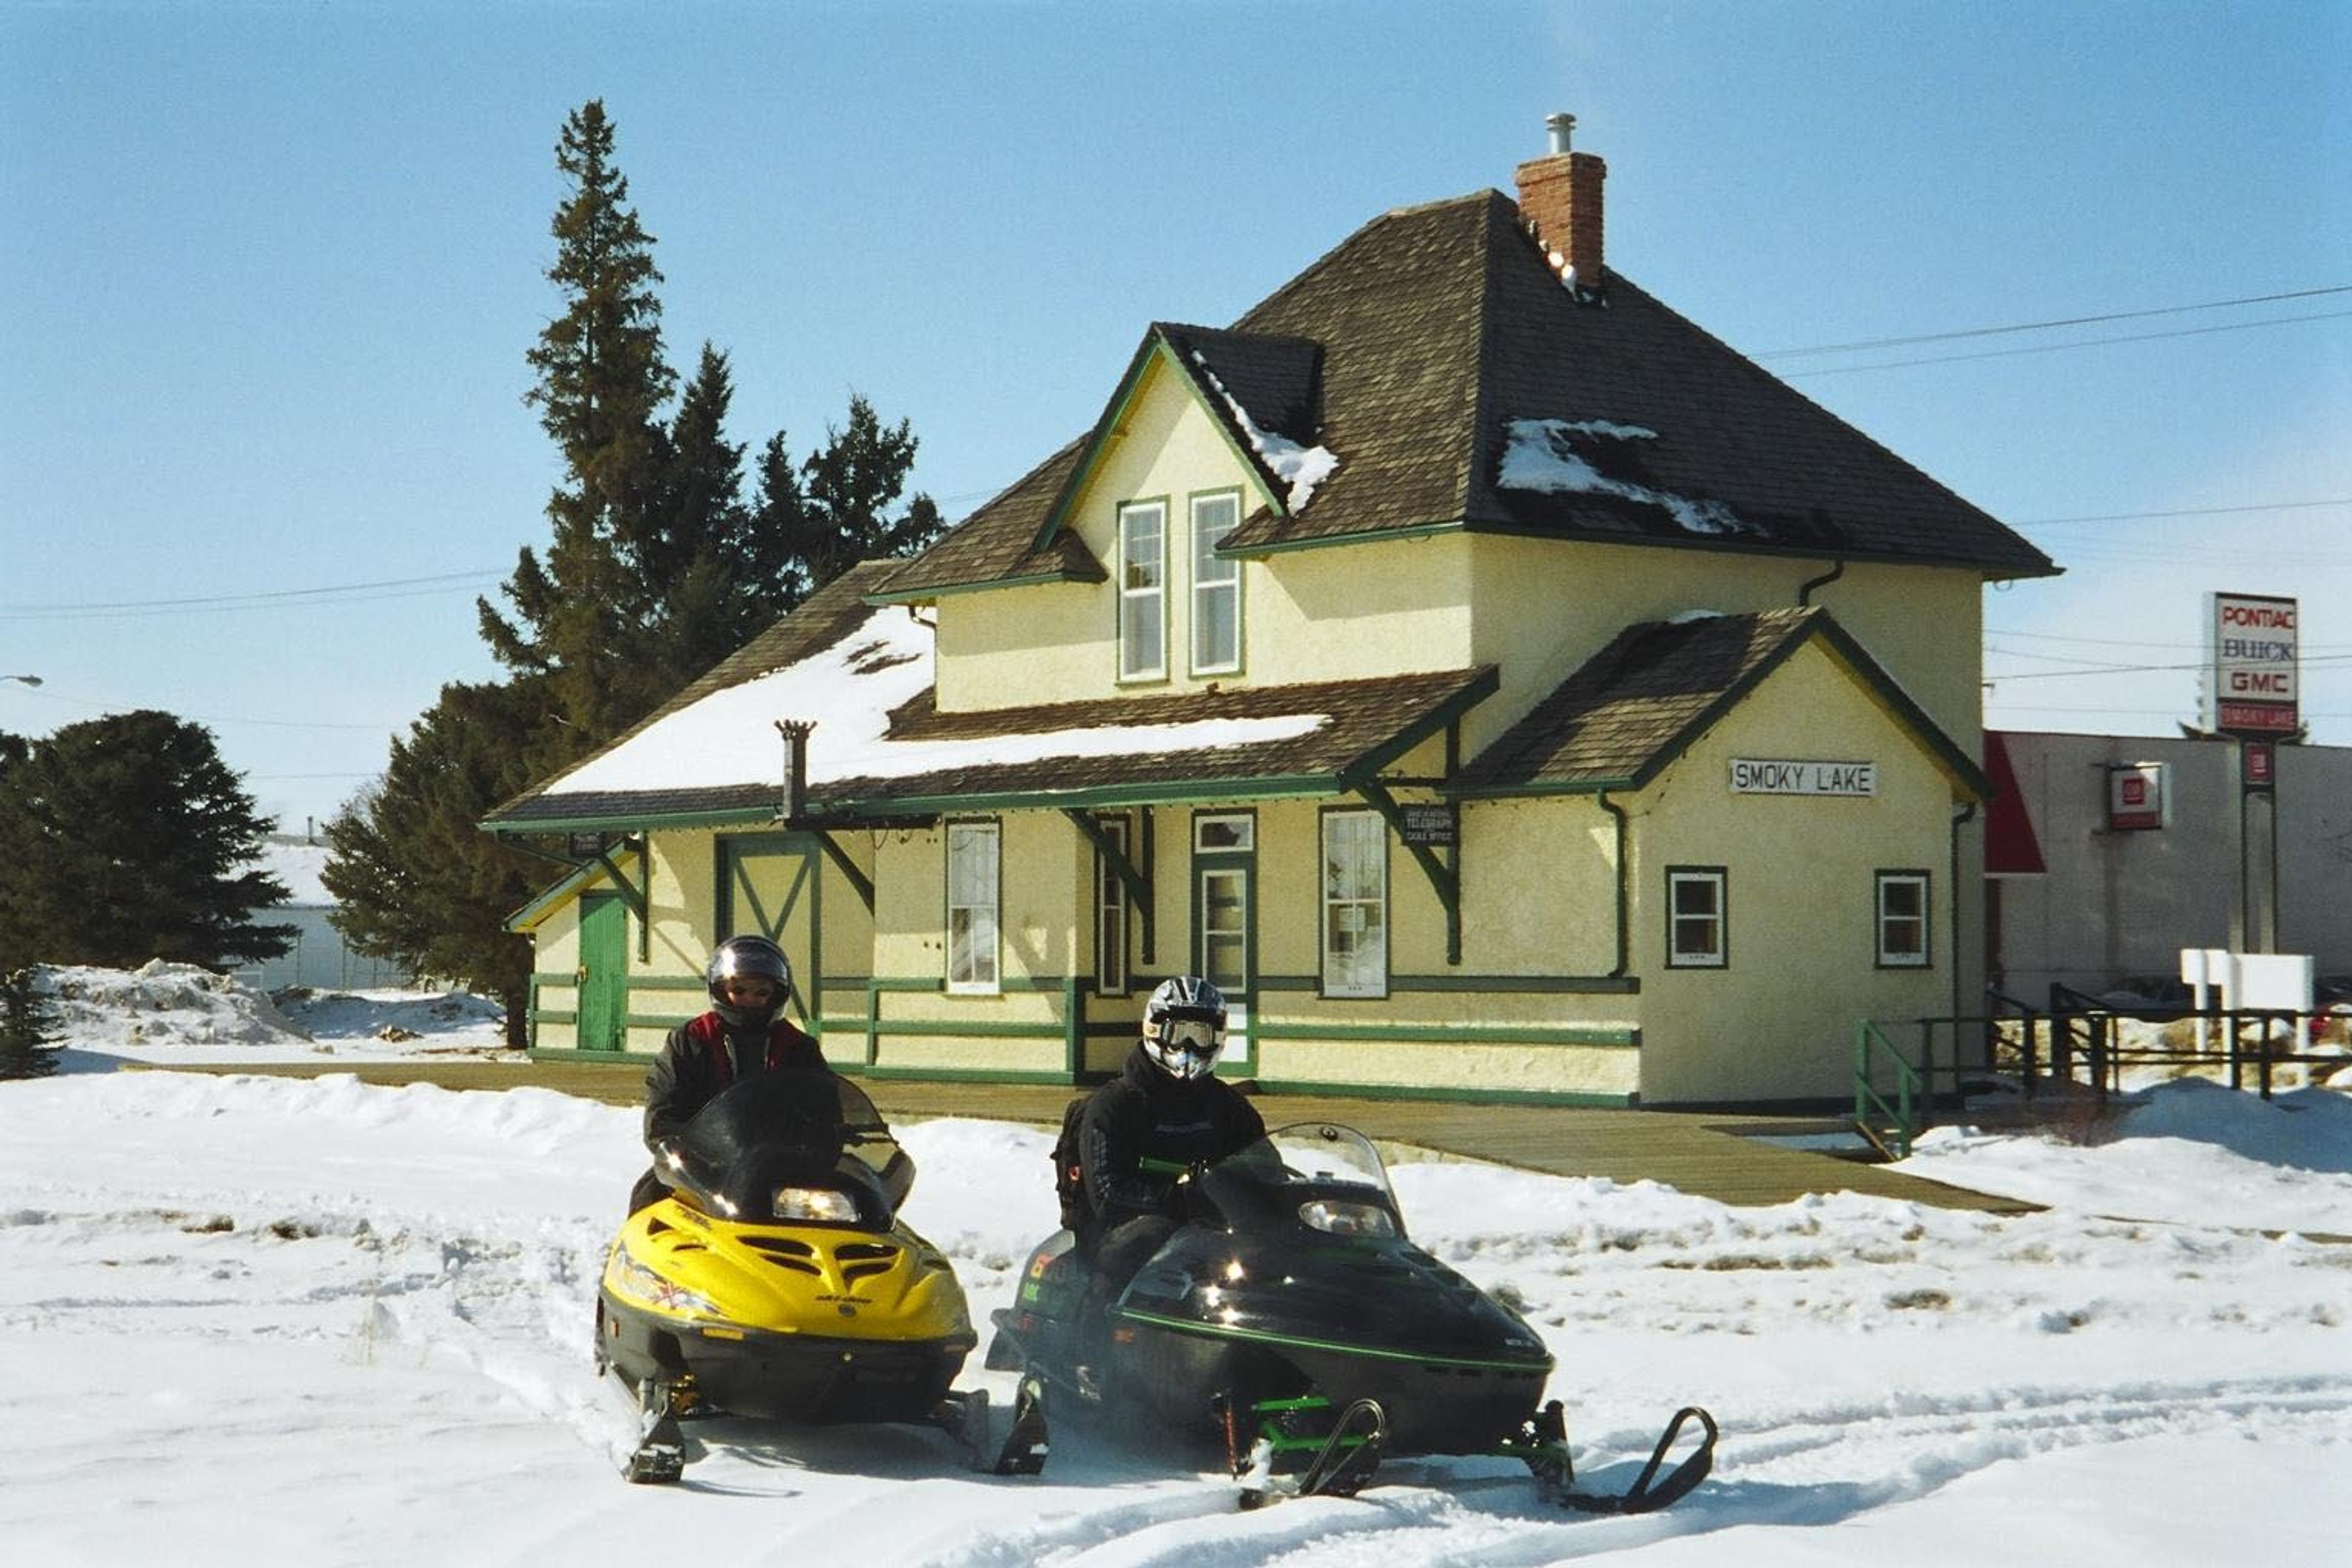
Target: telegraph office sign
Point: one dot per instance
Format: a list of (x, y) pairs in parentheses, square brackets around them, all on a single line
[(1791, 775), (2250, 642)]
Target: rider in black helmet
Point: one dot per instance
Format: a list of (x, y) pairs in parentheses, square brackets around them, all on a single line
[(1166, 1113), (750, 980)]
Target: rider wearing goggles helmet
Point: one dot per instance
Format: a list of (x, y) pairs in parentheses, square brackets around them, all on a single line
[(1165, 1111), (1184, 1027)]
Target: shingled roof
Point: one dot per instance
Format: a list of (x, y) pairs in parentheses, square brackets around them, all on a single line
[(822, 620), (880, 750), (1337, 730), (1638, 703), (1447, 346)]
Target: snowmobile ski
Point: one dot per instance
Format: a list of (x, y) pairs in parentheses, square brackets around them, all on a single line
[(659, 1456), (1342, 1458), (966, 1418), (1543, 1446), (1023, 1453)]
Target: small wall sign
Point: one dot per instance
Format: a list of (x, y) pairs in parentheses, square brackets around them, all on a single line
[(1787, 775), (2136, 800), (1438, 825)]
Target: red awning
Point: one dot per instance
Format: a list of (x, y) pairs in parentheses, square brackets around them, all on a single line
[(2010, 848)]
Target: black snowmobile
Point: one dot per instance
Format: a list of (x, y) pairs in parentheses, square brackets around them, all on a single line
[(777, 1281), (1291, 1318)]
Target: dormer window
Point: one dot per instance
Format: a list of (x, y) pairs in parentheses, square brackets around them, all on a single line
[(1216, 586), (1143, 591)]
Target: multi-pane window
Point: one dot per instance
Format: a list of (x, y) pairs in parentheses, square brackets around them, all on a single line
[(1143, 590), (1216, 588), (1110, 913), (1903, 919), (1697, 912), (973, 871), (1354, 904)]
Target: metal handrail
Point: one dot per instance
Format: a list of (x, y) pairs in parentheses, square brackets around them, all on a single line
[(1898, 1117)]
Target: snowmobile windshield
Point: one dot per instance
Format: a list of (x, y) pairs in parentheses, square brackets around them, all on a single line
[(794, 1147), (1312, 1174)]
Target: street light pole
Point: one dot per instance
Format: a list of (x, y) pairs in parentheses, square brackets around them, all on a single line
[(28, 680)]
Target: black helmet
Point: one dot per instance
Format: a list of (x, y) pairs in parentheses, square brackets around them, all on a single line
[(1185, 1027), (748, 957)]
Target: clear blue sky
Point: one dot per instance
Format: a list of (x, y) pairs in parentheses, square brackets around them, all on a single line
[(271, 271)]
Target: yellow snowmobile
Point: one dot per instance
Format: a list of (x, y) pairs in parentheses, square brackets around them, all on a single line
[(777, 1282)]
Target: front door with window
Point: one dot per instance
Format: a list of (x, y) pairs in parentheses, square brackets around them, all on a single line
[(1225, 917)]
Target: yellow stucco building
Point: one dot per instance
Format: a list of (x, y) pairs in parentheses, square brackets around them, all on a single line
[(1497, 686)]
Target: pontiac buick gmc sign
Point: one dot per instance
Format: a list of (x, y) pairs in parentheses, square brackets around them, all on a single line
[(2249, 668), (1791, 775)]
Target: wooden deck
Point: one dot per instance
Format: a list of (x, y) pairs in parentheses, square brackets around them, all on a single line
[(1703, 1154)]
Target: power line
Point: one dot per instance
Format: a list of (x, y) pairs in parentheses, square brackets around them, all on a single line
[(2183, 511), (2045, 326), (2059, 347), (291, 598), (2173, 645)]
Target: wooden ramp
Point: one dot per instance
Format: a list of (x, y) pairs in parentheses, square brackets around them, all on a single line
[(1703, 1154)]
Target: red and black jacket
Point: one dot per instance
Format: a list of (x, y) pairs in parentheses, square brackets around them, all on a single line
[(695, 1065)]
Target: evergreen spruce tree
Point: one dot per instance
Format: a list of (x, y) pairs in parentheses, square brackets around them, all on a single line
[(657, 570), (849, 486), (700, 594), (127, 839), (816, 520), (416, 879), (603, 380), (28, 1024)]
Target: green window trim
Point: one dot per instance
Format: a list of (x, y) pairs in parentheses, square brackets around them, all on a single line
[(1698, 917), (1214, 577), (1130, 597), (1369, 905), (981, 905), (1901, 909)]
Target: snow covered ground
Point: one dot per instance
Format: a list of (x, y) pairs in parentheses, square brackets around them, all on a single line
[(245, 1318)]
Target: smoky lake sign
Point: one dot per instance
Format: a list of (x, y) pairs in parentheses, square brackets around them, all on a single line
[(1795, 775)]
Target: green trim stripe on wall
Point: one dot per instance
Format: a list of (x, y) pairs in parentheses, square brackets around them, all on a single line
[(1277, 1088), (1501, 984), (1605, 1035)]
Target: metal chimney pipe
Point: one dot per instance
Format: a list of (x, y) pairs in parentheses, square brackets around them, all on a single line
[(1559, 125), (794, 801)]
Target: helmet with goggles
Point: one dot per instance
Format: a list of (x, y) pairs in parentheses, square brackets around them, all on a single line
[(1185, 1027)]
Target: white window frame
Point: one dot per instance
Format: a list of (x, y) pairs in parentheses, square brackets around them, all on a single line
[(1886, 922), (1714, 920), (1362, 970), (1135, 557), (974, 875), (1215, 577)]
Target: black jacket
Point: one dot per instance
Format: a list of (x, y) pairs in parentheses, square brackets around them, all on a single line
[(695, 1064), (1142, 1114)]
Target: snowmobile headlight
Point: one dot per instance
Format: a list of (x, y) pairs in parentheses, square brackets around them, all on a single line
[(1339, 1217), (823, 1205), (631, 1277)]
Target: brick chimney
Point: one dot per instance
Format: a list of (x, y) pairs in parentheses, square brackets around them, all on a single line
[(1559, 198)]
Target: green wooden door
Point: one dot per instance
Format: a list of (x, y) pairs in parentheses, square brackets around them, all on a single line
[(768, 885), (604, 972)]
